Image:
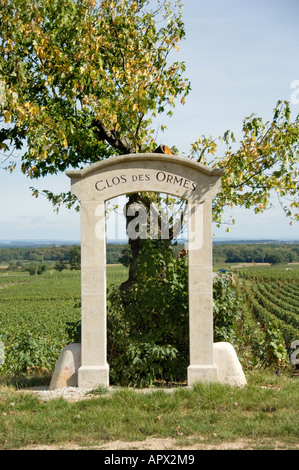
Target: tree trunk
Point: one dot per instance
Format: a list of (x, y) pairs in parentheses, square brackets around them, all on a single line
[(137, 244)]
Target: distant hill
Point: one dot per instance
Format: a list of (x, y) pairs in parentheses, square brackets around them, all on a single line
[(216, 241), (36, 243), (219, 241), (17, 253)]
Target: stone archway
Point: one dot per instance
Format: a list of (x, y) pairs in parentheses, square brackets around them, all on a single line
[(127, 174)]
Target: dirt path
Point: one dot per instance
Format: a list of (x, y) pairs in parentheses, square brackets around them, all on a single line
[(169, 444)]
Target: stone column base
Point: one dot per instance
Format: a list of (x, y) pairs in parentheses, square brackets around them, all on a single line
[(201, 373), (66, 369), (229, 368), (93, 376)]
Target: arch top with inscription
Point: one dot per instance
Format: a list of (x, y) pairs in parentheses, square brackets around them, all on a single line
[(115, 176), (153, 172)]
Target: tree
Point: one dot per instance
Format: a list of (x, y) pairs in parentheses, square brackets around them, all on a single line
[(36, 269), (125, 257), (60, 265), (276, 258), (265, 161), (75, 257), (82, 80), (41, 269)]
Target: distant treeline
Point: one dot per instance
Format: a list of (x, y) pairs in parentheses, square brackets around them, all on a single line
[(280, 253), (19, 255), (51, 253), (116, 253)]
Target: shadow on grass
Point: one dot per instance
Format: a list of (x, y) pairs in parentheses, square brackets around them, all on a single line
[(23, 380)]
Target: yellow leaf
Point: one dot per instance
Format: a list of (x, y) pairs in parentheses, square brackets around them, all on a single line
[(64, 141), (7, 115)]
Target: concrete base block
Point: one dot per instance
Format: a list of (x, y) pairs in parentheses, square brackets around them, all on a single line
[(93, 376), (68, 373), (201, 373), (229, 369), (66, 369)]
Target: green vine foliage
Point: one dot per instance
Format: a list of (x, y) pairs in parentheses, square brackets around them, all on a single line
[(151, 341), (276, 350), (28, 352), (226, 308)]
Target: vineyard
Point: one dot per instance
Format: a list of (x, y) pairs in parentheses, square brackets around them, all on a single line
[(34, 312), (271, 311)]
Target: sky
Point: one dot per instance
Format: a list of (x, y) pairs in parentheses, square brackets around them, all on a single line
[(241, 58)]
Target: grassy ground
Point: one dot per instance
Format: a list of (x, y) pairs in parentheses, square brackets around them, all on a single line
[(264, 414)]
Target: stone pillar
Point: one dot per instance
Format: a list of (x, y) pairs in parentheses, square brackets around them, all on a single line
[(94, 369), (201, 366)]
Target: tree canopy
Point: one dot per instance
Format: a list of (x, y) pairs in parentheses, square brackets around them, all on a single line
[(265, 161), (83, 80)]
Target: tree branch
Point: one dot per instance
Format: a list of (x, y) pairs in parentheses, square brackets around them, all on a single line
[(123, 144)]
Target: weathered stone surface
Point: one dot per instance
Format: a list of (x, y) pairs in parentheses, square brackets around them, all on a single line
[(229, 369), (66, 369), (170, 174), (226, 369), (125, 174), (201, 373)]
